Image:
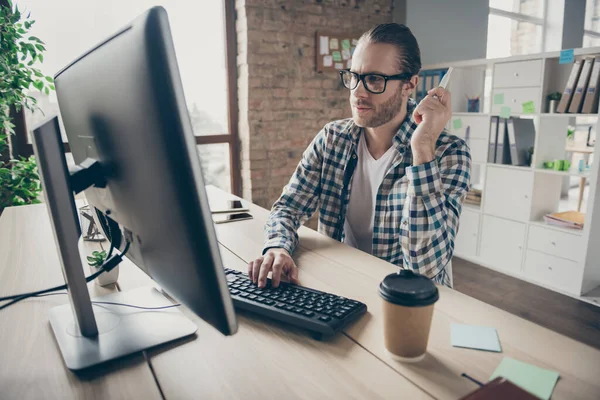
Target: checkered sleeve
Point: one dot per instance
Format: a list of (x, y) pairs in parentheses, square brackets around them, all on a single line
[(430, 216), (299, 199)]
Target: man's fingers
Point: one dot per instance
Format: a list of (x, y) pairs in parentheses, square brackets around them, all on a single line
[(264, 270), (443, 95), (256, 269), (250, 264), (277, 269), (292, 272)]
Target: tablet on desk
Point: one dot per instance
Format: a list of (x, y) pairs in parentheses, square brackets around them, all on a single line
[(227, 206)]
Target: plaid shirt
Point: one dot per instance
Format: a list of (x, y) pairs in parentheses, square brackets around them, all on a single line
[(417, 208)]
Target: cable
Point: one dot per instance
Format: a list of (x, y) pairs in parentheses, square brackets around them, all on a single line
[(118, 304), (106, 267)]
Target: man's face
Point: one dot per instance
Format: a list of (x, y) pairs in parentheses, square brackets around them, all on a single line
[(371, 110)]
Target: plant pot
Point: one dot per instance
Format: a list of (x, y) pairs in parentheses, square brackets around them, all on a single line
[(106, 278), (552, 105)]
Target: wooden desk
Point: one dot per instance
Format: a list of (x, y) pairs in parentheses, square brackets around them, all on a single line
[(263, 360), (326, 264), (31, 366)]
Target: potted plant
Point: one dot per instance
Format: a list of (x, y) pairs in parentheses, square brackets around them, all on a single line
[(95, 261), (553, 99), (19, 52)]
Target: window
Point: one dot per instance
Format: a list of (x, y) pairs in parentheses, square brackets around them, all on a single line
[(70, 27), (515, 27), (591, 33)]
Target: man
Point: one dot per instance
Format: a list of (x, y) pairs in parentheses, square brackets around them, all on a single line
[(389, 181)]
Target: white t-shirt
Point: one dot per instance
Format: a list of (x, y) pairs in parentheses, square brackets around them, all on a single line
[(367, 177)]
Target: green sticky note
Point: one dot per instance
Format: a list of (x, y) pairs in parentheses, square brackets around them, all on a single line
[(505, 112), (537, 381), (457, 123), (528, 107), (499, 98), (337, 56), (346, 44)]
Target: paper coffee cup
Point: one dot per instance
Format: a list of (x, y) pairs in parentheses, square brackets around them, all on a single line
[(408, 301)]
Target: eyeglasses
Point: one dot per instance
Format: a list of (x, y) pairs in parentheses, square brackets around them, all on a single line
[(374, 83)]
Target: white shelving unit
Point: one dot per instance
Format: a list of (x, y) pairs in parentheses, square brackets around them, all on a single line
[(507, 232)]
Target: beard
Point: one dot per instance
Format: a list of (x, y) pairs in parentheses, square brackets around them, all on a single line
[(379, 114)]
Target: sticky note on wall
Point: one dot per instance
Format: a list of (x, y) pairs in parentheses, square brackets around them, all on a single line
[(528, 107), (327, 61), (346, 44), (566, 56), (334, 44), (505, 112), (499, 98), (324, 45), (457, 124), (337, 56)]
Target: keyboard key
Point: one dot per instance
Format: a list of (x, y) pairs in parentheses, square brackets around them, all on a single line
[(308, 313), (325, 318), (280, 305), (338, 315), (235, 291), (289, 308), (269, 302), (244, 294), (260, 299), (319, 309), (309, 307), (252, 296), (298, 310)]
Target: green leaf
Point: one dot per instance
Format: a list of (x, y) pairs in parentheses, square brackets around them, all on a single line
[(40, 47), (49, 79), (47, 91), (51, 87), (41, 57)]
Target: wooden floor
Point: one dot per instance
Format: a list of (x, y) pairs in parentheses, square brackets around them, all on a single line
[(573, 318)]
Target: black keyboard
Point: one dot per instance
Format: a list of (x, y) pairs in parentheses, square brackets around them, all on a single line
[(321, 313)]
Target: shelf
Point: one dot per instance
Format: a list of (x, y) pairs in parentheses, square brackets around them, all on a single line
[(507, 166), (559, 115), (472, 207), (543, 224), (564, 173), (470, 114)]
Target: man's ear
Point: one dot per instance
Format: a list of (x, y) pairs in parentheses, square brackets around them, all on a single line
[(411, 85)]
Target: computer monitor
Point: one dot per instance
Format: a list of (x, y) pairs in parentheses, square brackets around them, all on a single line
[(127, 124)]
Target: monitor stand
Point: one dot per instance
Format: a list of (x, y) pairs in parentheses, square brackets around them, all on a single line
[(87, 333)]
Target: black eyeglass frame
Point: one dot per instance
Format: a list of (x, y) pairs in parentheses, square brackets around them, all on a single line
[(405, 76)]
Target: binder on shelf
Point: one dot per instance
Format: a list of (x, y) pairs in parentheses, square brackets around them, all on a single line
[(590, 104), (565, 100), (582, 83), (520, 138), (493, 137), (501, 145)]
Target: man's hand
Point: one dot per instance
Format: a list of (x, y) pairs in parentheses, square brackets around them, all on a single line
[(276, 260), (432, 114)]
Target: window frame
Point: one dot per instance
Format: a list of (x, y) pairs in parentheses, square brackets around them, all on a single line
[(525, 18), (22, 147)]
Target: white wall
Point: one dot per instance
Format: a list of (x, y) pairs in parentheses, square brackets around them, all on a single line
[(446, 30)]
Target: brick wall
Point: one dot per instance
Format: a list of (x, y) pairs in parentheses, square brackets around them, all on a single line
[(283, 101)]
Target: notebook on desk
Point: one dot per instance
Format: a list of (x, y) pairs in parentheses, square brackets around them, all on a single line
[(499, 389)]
